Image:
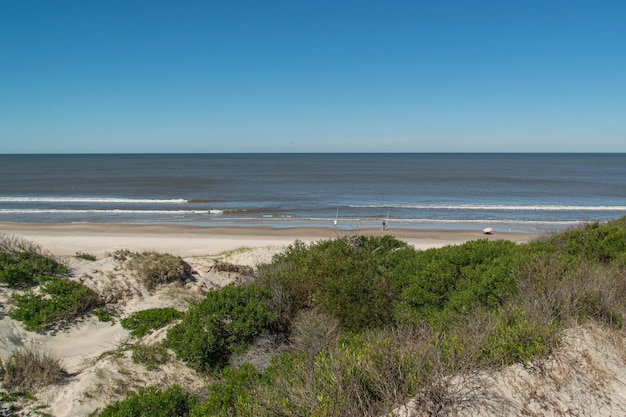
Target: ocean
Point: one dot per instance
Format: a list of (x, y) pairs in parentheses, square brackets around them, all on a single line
[(508, 192)]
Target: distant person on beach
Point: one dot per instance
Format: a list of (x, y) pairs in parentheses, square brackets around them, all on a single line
[(335, 223), (384, 225)]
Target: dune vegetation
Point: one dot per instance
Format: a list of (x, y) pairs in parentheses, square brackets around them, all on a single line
[(357, 326), (360, 325)]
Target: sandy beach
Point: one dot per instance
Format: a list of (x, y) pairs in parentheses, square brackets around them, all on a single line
[(98, 239)]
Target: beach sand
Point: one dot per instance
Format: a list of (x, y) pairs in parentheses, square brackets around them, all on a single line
[(98, 239)]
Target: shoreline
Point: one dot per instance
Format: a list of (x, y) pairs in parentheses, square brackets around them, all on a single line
[(185, 240)]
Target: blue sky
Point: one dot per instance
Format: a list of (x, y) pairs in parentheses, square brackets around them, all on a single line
[(312, 76)]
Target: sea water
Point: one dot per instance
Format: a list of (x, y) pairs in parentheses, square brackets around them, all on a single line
[(517, 192)]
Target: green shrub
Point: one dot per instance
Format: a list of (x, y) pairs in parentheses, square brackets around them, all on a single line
[(154, 269), (437, 285), (595, 241), (153, 402), (22, 268), (103, 314), (26, 370), (348, 278), (143, 322), (225, 322), (230, 394), (361, 374), (428, 315), (518, 338), (199, 341), (150, 356), (57, 300)]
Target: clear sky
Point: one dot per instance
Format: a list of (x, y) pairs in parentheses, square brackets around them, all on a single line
[(312, 76)]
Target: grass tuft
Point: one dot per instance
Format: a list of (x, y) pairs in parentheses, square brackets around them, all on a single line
[(154, 269), (85, 256), (27, 369)]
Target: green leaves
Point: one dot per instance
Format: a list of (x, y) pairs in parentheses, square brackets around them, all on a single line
[(439, 284), (143, 322), (22, 268), (56, 300), (221, 324), (152, 402), (348, 278)]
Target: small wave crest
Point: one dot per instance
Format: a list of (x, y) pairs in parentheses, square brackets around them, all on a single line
[(102, 211), (493, 207), (116, 200)]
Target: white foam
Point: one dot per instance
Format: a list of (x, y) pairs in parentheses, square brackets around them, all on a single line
[(91, 200)]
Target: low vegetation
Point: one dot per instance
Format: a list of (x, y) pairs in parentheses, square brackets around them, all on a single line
[(47, 298), (154, 269), (21, 262), (143, 322), (85, 256), (371, 322), (225, 322), (358, 325), (27, 369), (151, 356), (103, 314), (55, 301), (152, 402)]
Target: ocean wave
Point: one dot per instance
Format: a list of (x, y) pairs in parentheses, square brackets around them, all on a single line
[(100, 211), (116, 200), (444, 221), (493, 207)]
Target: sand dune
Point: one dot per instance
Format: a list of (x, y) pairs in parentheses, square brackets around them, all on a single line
[(586, 376)]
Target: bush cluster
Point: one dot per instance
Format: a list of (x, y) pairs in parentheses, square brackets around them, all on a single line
[(223, 323), (438, 285), (373, 322), (348, 278), (597, 242), (152, 402), (22, 268), (372, 282), (56, 300), (143, 322), (103, 314)]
